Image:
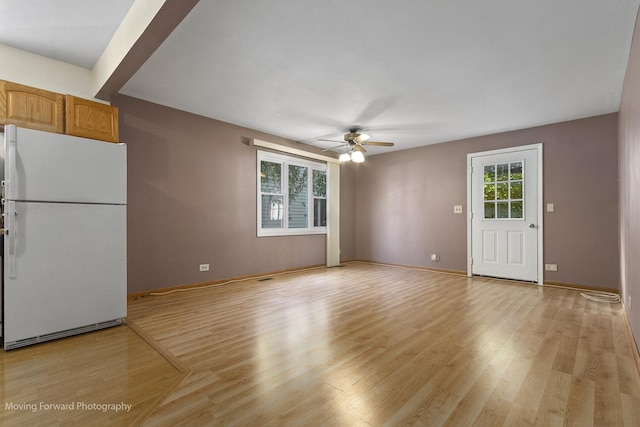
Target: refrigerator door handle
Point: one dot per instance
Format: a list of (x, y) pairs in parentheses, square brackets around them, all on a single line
[(10, 178), (10, 229)]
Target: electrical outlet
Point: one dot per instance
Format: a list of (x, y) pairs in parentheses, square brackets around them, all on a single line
[(435, 257), (204, 267), (551, 267), (457, 208)]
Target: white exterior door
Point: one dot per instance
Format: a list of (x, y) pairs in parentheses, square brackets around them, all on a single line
[(505, 218)]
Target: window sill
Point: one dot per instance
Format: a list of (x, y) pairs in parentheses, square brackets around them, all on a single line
[(301, 232)]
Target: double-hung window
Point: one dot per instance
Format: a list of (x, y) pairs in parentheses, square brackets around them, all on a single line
[(292, 195)]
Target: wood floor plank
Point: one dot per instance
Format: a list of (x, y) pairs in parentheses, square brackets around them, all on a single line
[(360, 345), (608, 404), (630, 412), (110, 366), (580, 403), (554, 399)]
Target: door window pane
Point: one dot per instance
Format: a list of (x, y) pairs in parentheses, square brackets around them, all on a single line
[(489, 173), (516, 190), (489, 191), (503, 190), (489, 210), (503, 172), (502, 209), (516, 170), (516, 209)]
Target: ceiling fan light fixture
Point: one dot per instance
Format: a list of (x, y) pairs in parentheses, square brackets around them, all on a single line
[(344, 157), (357, 157)]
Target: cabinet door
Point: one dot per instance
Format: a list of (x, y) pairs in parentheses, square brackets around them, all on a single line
[(91, 119), (31, 108)]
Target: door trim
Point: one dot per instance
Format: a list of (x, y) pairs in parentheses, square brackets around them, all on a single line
[(470, 157)]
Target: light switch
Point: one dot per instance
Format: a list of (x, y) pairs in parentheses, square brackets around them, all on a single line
[(457, 209), (549, 207)]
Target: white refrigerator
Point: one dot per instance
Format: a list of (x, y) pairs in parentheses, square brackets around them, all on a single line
[(64, 258)]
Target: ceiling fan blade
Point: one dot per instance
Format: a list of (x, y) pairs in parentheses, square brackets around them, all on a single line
[(361, 138), (378, 143), (359, 147), (332, 140), (333, 148)]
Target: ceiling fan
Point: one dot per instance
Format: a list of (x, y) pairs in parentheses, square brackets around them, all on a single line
[(354, 141)]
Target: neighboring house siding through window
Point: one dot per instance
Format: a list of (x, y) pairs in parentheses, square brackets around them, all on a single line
[(292, 195)]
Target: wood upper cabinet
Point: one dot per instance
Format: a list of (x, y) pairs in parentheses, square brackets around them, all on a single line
[(91, 119), (31, 108), (40, 109)]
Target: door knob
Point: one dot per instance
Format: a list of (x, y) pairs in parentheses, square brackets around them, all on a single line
[(532, 226)]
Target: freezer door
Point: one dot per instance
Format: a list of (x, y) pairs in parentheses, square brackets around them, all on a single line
[(69, 268), (49, 167)]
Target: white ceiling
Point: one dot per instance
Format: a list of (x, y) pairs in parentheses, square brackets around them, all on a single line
[(72, 31), (414, 72)]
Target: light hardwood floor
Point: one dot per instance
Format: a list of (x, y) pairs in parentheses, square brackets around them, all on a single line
[(360, 345), (83, 373)]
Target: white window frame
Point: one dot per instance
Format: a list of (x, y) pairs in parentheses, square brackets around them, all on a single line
[(286, 161)]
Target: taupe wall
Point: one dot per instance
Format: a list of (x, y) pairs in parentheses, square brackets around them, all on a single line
[(630, 187), (405, 201), (192, 200)]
